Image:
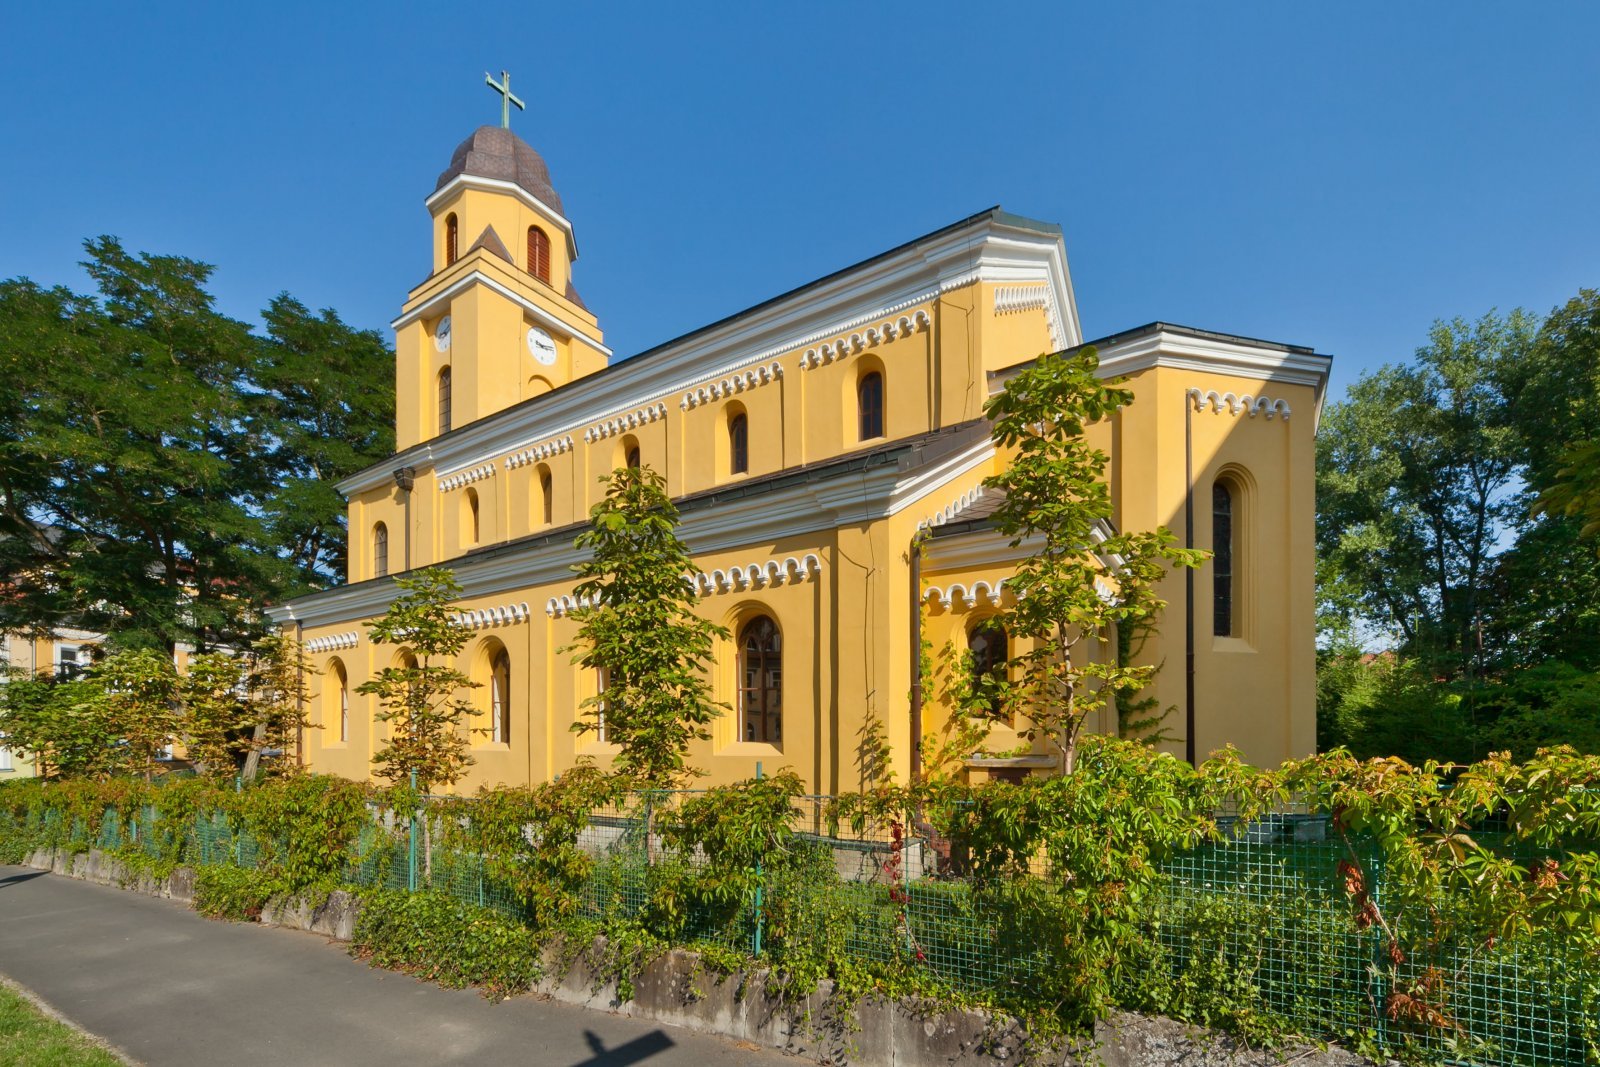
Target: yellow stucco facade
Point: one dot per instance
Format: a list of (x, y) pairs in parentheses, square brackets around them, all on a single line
[(861, 401)]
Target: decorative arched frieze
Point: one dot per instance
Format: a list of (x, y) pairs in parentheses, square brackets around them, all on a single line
[(731, 385), (623, 423), (1250, 405), (1012, 299), (861, 340), (333, 642), (539, 453), (467, 477), (952, 511), (560, 606), (959, 595), (487, 618), (772, 572)]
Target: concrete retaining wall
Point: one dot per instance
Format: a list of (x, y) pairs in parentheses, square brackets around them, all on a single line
[(677, 990)]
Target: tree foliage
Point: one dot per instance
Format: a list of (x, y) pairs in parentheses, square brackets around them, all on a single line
[(423, 698), (165, 471), (1070, 595), (639, 626)]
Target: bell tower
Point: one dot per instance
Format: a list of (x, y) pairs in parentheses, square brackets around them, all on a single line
[(498, 320)]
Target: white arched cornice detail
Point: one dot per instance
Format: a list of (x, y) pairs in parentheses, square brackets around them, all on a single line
[(736, 383), (1235, 403), (959, 596), (489, 618), (539, 453), (740, 578), (627, 421), (333, 642), (953, 510), (466, 477), (861, 340)]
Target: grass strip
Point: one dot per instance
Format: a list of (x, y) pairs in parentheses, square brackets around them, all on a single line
[(32, 1036)]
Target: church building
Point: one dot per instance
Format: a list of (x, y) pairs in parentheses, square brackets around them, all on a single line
[(826, 449)]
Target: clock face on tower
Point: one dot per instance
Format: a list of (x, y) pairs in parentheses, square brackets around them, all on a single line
[(441, 335), (541, 346)]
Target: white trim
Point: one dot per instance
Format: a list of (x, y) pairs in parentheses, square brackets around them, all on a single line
[(460, 285), (333, 642), (986, 250), (1250, 405), (485, 618), (499, 185)]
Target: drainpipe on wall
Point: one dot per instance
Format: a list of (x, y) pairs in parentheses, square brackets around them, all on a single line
[(1188, 581), (404, 479), (299, 697), (916, 659)]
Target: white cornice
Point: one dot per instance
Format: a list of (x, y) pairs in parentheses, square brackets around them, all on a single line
[(987, 249), (735, 523), (496, 185), (478, 277)]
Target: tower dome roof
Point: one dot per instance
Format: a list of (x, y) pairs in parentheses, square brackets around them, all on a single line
[(494, 152)]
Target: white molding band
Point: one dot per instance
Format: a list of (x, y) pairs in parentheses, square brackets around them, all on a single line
[(333, 642), (486, 618), (959, 594), (771, 572), (953, 510), (883, 333), (738, 383), (632, 420), (539, 453), (467, 477), (1250, 405)]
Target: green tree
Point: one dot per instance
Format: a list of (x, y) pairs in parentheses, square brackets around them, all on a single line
[(1418, 486), (61, 725), (158, 459), (277, 681), (215, 712), (423, 699), (1070, 595), (641, 629), (138, 694)]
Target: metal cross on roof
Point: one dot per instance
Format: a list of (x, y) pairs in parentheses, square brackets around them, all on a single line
[(503, 87)]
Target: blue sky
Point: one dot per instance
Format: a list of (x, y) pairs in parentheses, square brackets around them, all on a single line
[(1330, 175)]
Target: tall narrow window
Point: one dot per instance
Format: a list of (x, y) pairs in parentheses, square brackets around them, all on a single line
[(1222, 554), (869, 400), (500, 697), (547, 498), (761, 680), (602, 683), (738, 444), (632, 458), (451, 232), (340, 702), (470, 528), (539, 254), (444, 400), (988, 644), (380, 550)]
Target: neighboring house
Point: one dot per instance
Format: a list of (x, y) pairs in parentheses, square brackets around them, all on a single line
[(62, 654), (807, 441)]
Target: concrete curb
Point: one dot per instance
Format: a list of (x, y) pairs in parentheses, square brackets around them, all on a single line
[(678, 990)]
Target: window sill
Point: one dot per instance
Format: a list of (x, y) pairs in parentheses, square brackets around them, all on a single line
[(745, 749), (1231, 644)]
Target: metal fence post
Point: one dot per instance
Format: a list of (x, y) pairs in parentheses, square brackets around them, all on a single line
[(1379, 956), (411, 865), (760, 886)]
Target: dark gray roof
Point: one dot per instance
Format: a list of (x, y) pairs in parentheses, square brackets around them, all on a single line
[(491, 243), (493, 152)]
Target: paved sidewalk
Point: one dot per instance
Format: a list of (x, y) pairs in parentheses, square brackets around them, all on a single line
[(172, 989)]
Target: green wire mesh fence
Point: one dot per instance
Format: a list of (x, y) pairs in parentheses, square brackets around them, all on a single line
[(1262, 908)]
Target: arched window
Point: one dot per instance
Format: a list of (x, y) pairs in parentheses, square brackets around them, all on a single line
[(869, 402), (990, 649), (444, 400), (761, 681), (470, 528), (539, 254), (380, 550), (340, 702), (500, 697), (632, 457), (451, 230), (1223, 534), (547, 497), (738, 444)]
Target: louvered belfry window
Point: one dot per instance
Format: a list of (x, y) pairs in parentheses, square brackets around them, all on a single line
[(444, 400), (451, 229), (539, 254)]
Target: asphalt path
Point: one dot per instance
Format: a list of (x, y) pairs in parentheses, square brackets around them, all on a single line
[(170, 989)]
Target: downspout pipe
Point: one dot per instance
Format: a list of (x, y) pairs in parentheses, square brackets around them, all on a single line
[(1190, 751), (404, 479), (916, 659)]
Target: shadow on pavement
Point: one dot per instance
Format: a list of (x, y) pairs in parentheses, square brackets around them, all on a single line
[(636, 1051), (15, 878)]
